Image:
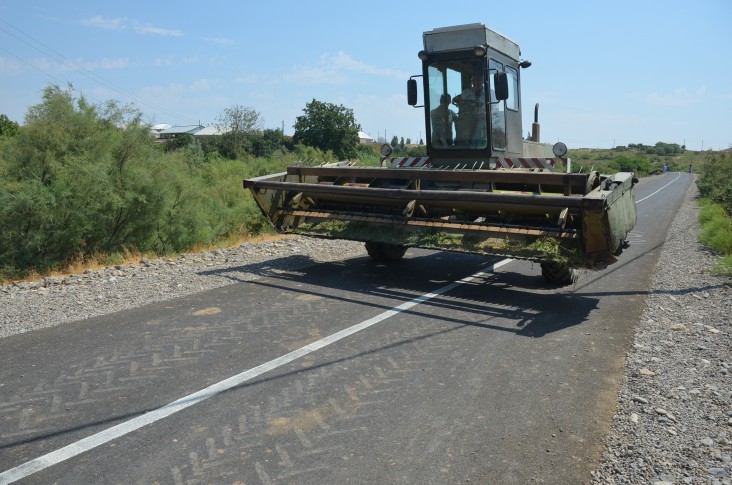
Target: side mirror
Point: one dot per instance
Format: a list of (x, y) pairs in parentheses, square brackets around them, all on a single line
[(500, 86), (412, 92)]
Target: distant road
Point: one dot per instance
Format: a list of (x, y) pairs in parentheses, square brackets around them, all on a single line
[(440, 368)]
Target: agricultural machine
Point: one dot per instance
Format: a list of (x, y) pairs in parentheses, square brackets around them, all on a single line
[(482, 188)]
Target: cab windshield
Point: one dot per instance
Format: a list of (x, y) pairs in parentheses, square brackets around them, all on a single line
[(457, 99)]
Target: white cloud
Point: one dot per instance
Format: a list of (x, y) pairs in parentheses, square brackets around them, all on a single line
[(123, 23), (203, 85), (54, 67), (316, 75), (145, 29), (9, 67), (177, 89), (336, 69), (678, 97), (160, 62), (219, 40), (100, 22), (114, 63), (250, 78), (342, 61)]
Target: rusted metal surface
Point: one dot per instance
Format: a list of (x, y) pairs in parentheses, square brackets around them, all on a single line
[(576, 181), (443, 225), (426, 195), (505, 211)]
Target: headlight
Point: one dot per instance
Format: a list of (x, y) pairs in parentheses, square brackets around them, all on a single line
[(559, 149)]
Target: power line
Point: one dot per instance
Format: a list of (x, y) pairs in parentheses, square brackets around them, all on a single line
[(32, 65), (63, 60)]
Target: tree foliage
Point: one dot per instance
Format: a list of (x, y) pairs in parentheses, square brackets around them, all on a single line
[(8, 127), (328, 127), (239, 124), (266, 142), (637, 164), (81, 179), (660, 148), (715, 182)]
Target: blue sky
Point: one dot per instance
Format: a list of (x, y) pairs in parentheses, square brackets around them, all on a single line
[(604, 73)]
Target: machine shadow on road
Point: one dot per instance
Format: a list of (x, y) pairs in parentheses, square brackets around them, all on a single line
[(490, 301)]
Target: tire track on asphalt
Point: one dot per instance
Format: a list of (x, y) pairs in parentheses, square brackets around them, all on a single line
[(299, 428), (122, 429)]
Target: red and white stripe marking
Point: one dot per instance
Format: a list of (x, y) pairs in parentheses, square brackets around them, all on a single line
[(546, 163), (406, 162), (426, 162)]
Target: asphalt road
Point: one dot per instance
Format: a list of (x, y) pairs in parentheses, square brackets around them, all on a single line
[(495, 379)]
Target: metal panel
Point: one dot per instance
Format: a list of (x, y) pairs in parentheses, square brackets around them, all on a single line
[(468, 36)]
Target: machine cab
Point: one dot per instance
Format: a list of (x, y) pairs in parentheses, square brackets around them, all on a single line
[(471, 93)]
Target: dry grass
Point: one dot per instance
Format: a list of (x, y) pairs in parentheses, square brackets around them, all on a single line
[(132, 257)]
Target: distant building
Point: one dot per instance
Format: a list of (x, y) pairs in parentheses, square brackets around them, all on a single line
[(164, 131), (364, 138), (211, 130), (156, 129), (174, 131)]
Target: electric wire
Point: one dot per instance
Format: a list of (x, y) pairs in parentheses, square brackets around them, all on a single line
[(63, 60)]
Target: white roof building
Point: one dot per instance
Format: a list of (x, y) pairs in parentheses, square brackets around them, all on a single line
[(364, 138), (173, 131), (211, 130)]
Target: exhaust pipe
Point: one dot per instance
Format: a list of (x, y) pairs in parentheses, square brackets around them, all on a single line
[(535, 125)]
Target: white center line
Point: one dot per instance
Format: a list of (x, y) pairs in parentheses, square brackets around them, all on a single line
[(98, 439), (649, 196)]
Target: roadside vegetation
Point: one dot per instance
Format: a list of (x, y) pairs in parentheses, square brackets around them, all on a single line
[(86, 185), (714, 182), (715, 186)]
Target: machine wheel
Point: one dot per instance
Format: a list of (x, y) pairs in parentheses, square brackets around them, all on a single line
[(385, 252), (593, 181), (558, 273)]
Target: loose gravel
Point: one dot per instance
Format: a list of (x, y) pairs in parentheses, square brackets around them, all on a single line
[(52, 301), (674, 417)]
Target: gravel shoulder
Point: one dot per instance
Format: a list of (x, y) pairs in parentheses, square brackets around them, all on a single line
[(52, 301), (673, 423), (674, 414)]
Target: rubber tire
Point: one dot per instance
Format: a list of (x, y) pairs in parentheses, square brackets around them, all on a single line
[(558, 273), (385, 252)]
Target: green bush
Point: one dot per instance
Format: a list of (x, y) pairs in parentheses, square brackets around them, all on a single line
[(716, 229), (79, 181), (637, 164), (710, 212), (716, 232), (715, 182)]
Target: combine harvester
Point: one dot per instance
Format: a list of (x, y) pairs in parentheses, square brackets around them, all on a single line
[(482, 189)]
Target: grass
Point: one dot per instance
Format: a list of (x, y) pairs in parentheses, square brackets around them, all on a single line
[(132, 257), (510, 245), (716, 232)]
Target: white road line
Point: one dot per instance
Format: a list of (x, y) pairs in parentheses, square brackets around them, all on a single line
[(649, 196), (98, 439)]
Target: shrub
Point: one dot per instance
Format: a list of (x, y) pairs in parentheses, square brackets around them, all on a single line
[(715, 182), (716, 233)]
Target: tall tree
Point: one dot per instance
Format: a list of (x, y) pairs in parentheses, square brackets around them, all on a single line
[(328, 127), (238, 123)]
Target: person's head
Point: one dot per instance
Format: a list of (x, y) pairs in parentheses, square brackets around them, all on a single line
[(445, 100)]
